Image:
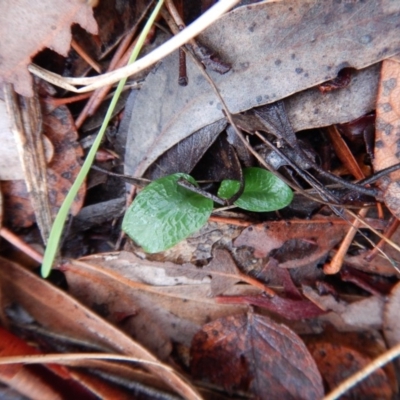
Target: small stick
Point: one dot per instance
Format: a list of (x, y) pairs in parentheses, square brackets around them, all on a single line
[(57, 102), (85, 56), (391, 229), (21, 245), (337, 261)]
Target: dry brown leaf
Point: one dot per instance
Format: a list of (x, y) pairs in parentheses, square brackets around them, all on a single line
[(172, 311), (339, 355), (60, 313), (295, 243), (253, 353), (27, 27), (387, 136)]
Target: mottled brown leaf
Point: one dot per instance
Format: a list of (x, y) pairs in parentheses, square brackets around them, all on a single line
[(387, 136), (294, 243), (337, 362), (253, 353)]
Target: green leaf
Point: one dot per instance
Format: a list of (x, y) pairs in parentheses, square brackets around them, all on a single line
[(263, 191), (164, 213)]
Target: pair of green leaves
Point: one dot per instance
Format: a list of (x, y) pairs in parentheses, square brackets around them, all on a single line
[(165, 213)]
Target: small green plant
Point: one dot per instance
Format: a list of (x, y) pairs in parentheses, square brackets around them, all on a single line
[(165, 213)]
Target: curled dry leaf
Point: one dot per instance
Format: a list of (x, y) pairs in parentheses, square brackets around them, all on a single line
[(270, 60), (254, 353), (60, 313), (387, 136), (27, 27)]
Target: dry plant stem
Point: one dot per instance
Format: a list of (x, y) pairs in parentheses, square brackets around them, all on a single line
[(128, 201), (366, 224), (85, 56), (344, 153), (57, 102), (230, 221), (26, 126), (379, 362), (254, 282), (73, 359), (392, 227), (21, 245), (337, 261), (198, 26)]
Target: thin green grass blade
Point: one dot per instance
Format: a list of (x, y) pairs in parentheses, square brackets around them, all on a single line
[(59, 222)]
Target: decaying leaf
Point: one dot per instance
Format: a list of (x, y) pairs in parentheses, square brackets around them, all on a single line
[(27, 27), (294, 243), (387, 140), (254, 353), (222, 270), (275, 50), (339, 355)]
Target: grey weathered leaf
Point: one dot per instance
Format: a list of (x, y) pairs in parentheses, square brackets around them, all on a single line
[(275, 50)]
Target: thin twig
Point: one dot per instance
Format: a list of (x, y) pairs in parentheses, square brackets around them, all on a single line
[(77, 47)]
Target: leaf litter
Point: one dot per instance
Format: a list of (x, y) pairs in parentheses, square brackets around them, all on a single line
[(236, 304)]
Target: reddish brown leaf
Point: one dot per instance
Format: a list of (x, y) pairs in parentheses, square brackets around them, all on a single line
[(27, 27), (287, 308), (337, 362), (254, 353)]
